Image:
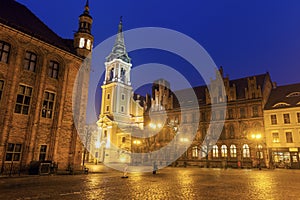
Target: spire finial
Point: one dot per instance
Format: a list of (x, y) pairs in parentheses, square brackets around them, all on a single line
[(121, 25), (87, 8)]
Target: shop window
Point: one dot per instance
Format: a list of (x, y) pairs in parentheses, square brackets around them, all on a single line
[(13, 152)]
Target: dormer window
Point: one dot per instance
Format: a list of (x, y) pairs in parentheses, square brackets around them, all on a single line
[(81, 42), (280, 105), (293, 94)]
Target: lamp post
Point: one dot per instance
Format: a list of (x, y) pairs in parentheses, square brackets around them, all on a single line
[(257, 137)]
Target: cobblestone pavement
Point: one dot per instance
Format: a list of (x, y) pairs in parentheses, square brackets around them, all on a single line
[(168, 183)]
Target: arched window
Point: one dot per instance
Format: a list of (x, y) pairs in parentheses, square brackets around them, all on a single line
[(204, 151), (232, 151), (260, 154), (246, 151), (195, 152), (215, 151), (224, 151)]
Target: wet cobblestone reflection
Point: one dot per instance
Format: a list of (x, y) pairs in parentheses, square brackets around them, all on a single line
[(169, 183)]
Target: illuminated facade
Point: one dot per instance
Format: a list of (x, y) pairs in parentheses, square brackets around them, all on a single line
[(282, 126), (246, 98), (37, 77), (120, 112)]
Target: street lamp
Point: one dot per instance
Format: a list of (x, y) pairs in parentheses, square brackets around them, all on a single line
[(257, 137)]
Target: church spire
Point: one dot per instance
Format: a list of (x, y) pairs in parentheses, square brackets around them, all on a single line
[(119, 49)]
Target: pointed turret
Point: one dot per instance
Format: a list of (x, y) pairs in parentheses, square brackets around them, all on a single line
[(83, 39), (119, 49)]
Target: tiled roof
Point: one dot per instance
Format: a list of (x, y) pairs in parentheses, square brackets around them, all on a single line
[(284, 97), (17, 16)]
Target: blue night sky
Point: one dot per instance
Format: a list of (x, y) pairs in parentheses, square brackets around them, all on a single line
[(245, 37)]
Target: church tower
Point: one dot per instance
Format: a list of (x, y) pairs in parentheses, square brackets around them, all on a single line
[(120, 113), (83, 38)]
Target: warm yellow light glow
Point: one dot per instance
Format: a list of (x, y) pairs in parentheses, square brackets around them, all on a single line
[(184, 139), (152, 125), (136, 142), (97, 144), (256, 136), (159, 125)]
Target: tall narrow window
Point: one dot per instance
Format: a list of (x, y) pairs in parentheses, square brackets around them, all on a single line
[(48, 105), (30, 61), (1, 88), (81, 42), (43, 151), (204, 152), (286, 118), (246, 151), (275, 137), (242, 113), (4, 51), (13, 152), (232, 151), (230, 113), (298, 117), (215, 151), (108, 96), (289, 137), (88, 45), (224, 151), (195, 152), (273, 119), (255, 111), (53, 69), (123, 139), (23, 100)]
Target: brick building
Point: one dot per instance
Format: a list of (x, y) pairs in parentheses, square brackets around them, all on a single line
[(38, 69)]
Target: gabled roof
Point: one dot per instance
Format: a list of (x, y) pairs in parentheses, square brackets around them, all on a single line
[(242, 83), (285, 96), (17, 16)]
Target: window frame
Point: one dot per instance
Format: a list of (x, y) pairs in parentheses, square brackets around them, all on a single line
[(43, 154), (25, 98), (3, 52), (29, 61), (53, 69), (48, 101), (273, 118), (1, 89), (13, 152), (290, 138), (286, 118)]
